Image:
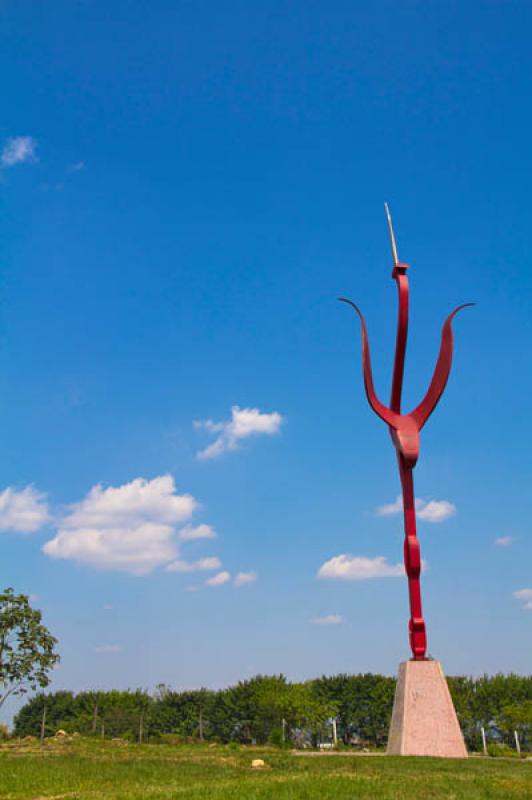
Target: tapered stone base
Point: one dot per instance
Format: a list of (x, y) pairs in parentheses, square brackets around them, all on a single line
[(424, 721)]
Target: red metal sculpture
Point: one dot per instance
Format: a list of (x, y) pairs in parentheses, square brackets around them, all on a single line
[(405, 428)]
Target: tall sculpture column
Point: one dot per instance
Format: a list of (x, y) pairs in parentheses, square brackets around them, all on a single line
[(404, 430)]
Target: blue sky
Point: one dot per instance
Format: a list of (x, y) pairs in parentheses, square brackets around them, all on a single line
[(186, 189)]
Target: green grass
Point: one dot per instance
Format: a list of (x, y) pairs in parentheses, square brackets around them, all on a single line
[(90, 770)]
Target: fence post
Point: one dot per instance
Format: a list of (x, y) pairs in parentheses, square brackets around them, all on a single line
[(484, 745), (517, 745), (43, 723), (94, 718), (335, 736)]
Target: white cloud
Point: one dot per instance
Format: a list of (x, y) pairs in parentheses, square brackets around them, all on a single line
[(17, 150), (135, 502), (435, 510), (76, 167), (504, 541), (24, 510), (204, 564), (526, 596), (219, 579), (137, 550), (244, 422), (129, 527), (329, 619), (391, 508), (359, 568), (108, 648), (243, 578), (432, 511), (192, 532)]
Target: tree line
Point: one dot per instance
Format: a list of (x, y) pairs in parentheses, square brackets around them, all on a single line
[(270, 709), (263, 709)]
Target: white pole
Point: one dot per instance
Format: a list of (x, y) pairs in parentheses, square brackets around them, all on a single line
[(484, 746), (335, 737), (517, 745), (43, 723)]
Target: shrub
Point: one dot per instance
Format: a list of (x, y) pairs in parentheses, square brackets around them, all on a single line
[(498, 750)]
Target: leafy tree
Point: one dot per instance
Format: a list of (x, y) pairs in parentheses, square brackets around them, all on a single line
[(61, 711), (479, 702), (250, 715), (182, 713), (118, 712), (517, 718), (27, 648), (303, 708), (380, 704), (364, 705)]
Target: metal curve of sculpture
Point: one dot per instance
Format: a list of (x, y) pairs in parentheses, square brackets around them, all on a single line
[(405, 428)]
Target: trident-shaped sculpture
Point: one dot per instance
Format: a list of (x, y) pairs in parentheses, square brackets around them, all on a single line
[(405, 428)]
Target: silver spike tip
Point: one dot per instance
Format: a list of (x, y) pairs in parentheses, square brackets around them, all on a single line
[(392, 236)]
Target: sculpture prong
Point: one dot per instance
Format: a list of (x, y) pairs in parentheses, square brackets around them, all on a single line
[(386, 414), (441, 372), (392, 236)]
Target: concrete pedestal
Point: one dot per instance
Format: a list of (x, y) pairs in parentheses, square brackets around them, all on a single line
[(424, 721)]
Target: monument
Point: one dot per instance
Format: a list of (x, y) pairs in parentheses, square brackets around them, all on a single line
[(424, 721)]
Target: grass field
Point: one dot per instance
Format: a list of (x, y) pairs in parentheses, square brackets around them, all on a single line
[(92, 770)]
